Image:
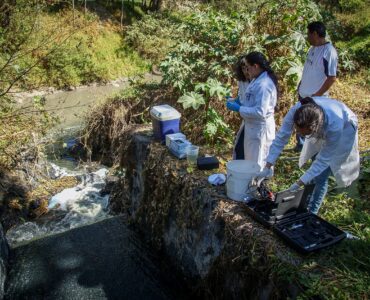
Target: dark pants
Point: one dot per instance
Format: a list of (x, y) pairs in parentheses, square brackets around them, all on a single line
[(239, 147), (300, 141), (299, 138)]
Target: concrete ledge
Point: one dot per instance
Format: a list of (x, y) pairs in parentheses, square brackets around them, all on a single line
[(209, 237)]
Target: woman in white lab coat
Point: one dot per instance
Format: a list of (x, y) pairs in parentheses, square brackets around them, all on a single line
[(243, 82), (331, 131), (256, 107)]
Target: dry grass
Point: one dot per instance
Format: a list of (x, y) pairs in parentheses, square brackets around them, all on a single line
[(107, 122), (181, 204), (47, 188), (354, 91), (196, 212), (249, 251), (15, 204)]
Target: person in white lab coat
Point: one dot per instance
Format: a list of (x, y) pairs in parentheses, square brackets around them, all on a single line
[(330, 128), (241, 75), (256, 107)]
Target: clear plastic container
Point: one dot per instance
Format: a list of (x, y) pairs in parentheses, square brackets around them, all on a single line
[(192, 153)]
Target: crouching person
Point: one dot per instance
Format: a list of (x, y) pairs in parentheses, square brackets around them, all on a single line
[(331, 131)]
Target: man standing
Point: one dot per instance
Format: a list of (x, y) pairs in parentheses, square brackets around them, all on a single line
[(320, 68)]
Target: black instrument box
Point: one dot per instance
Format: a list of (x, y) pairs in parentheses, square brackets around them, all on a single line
[(207, 163), (289, 219), (269, 212)]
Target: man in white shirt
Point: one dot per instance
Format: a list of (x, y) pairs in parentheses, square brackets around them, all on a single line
[(320, 68)]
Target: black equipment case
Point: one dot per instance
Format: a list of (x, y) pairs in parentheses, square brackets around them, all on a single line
[(207, 163), (289, 219), (268, 212)]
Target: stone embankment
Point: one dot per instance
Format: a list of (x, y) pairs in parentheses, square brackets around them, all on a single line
[(209, 238), (4, 256)]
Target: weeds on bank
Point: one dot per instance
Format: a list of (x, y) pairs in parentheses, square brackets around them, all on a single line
[(42, 46), (340, 272), (94, 52), (198, 61)]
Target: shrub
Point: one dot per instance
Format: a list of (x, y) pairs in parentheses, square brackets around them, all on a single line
[(351, 5), (212, 40), (350, 28), (153, 36)]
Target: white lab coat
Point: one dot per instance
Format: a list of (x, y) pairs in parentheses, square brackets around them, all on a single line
[(338, 149), (258, 101)]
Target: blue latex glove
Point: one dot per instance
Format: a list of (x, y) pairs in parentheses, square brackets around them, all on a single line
[(229, 98), (232, 106), (294, 187)]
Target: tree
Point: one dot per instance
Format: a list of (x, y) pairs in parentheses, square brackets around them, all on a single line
[(22, 48)]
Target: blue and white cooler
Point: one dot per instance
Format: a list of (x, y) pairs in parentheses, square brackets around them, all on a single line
[(165, 120)]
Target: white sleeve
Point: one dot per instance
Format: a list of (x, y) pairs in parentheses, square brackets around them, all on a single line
[(259, 111), (282, 137), (326, 154), (330, 62), (241, 90)]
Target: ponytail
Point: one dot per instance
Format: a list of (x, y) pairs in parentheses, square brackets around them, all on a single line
[(273, 77), (308, 100)]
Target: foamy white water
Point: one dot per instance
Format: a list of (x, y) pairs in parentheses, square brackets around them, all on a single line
[(74, 207)]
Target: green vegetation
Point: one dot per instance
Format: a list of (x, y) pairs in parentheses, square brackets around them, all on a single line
[(341, 272), (195, 46), (46, 43), (349, 24), (154, 35), (210, 42), (199, 65), (197, 74), (93, 51)]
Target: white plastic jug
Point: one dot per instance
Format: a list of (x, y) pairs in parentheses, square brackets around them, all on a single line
[(239, 175)]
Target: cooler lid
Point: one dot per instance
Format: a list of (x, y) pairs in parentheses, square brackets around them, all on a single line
[(164, 112)]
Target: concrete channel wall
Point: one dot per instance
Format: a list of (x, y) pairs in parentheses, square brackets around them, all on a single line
[(4, 256), (209, 238)]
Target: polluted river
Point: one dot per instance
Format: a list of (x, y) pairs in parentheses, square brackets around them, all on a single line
[(79, 250)]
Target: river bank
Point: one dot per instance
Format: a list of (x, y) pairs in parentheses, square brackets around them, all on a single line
[(210, 238), (77, 249), (24, 192)]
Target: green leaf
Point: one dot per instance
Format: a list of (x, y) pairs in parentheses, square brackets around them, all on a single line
[(211, 129), (191, 99)]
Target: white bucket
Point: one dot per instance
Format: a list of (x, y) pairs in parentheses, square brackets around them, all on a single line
[(239, 175)]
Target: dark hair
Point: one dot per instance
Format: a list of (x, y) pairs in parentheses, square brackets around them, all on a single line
[(237, 68), (259, 59), (310, 115), (317, 27)]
